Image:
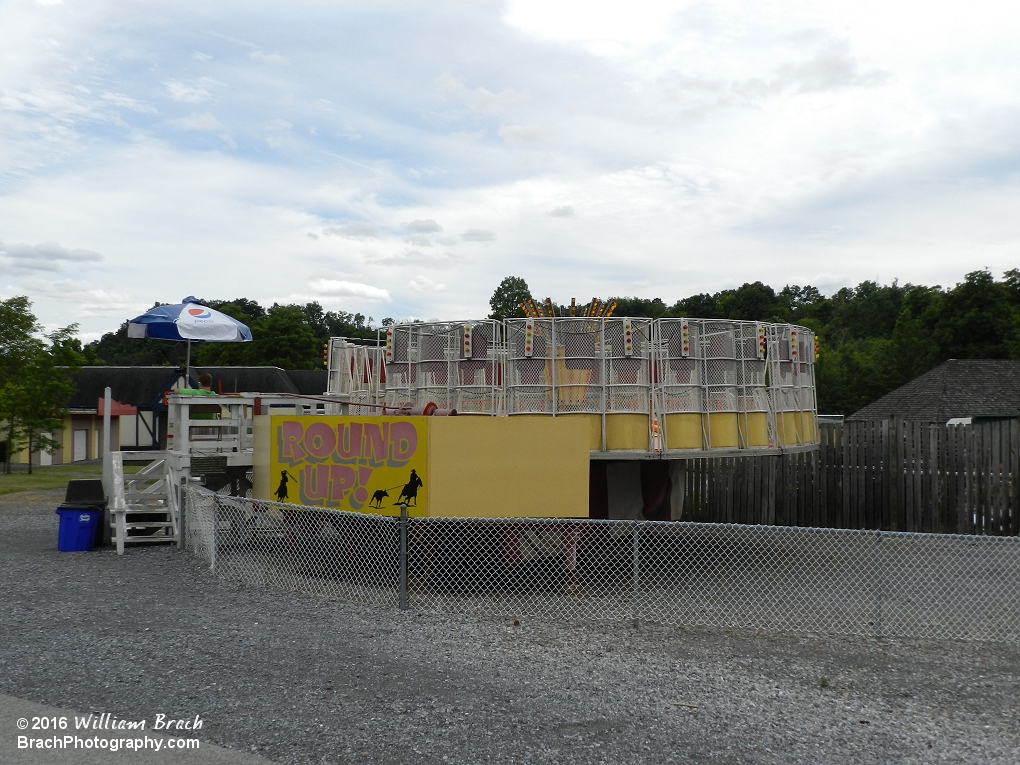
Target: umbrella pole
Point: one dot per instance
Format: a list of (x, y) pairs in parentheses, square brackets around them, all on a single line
[(187, 367)]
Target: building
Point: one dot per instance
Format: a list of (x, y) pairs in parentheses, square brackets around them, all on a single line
[(139, 410), (960, 389)]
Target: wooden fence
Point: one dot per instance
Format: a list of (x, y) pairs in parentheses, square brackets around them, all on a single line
[(891, 475)]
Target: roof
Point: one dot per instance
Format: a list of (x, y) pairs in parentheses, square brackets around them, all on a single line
[(956, 388), (134, 386), (306, 382), (309, 382), (143, 387), (239, 379)]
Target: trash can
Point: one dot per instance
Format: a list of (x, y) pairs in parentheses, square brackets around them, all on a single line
[(77, 529), (88, 494)]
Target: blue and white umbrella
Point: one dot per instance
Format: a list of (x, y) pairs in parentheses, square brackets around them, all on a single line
[(189, 320)]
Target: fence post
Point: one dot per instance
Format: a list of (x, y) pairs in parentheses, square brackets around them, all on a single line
[(879, 583), (635, 571), (178, 496), (178, 488), (215, 531), (402, 563)]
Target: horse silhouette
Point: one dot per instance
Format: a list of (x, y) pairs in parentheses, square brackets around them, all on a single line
[(281, 490), (410, 490)]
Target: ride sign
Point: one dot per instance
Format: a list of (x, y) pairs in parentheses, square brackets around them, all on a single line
[(365, 464)]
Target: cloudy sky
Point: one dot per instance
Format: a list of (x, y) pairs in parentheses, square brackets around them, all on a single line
[(400, 158)]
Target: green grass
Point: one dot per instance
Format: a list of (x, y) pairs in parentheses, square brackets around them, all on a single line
[(52, 477)]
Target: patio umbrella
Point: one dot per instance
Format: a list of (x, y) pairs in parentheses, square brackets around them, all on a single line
[(188, 320)]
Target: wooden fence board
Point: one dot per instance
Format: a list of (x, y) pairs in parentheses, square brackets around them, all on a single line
[(916, 475), (949, 472), (1014, 495)]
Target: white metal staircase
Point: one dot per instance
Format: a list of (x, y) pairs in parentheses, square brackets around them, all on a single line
[(146, 507), (143, 505)]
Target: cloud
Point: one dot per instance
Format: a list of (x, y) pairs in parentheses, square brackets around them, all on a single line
[(45, 256), (480, 99), (486, 101), (426, 226), (424, 284), (721, 129), (447, 83), (119, 99), (831, 68), (197, 121), (418, 231), (280, 134), (353, 231), (340, 288), (418, 258), (518, 135), (478, 235), (268, 58), (190, 94), (90, 300)]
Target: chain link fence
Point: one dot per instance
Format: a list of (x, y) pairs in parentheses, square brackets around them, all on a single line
[(693, 574), (349, 556)]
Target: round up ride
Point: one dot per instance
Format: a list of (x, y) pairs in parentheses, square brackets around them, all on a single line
[(541, 401)]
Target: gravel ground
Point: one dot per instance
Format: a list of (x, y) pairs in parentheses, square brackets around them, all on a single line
[(303, 680)]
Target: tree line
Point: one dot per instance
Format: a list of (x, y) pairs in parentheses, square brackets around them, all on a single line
[(285, 336), (874, 337)]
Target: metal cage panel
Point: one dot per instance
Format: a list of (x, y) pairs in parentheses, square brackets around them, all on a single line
[(355, 375), (457, 365)]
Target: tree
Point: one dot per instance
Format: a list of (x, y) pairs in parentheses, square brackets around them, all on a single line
[(634, 306), (247, 312), (284, 339), (506, 300), (117, 349), (244, 310), (327, 324), (17, 327), (702, 306), (749, 302), (975, 319), (34, 401), (867, 310), (45, 388), (18, 344), (803, 305)]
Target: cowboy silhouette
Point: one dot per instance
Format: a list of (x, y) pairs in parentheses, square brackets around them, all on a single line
[(281, 490), (410, 490)]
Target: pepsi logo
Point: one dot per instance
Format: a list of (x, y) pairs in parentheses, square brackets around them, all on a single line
[(199, 313)]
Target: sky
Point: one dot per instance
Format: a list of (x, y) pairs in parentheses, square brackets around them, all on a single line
[(398, 159)]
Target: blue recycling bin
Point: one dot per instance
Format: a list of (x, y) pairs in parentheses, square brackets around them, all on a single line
[(77, 530)]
